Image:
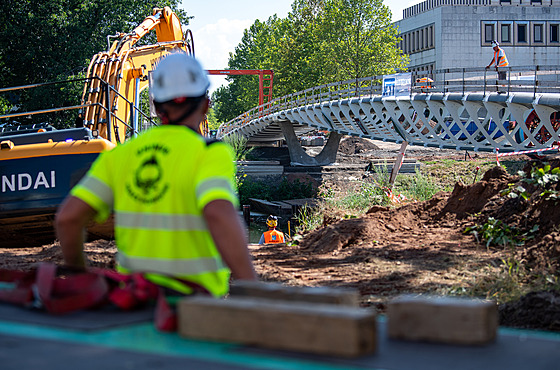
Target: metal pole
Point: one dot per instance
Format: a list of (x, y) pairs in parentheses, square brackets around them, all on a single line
[(463, 81), (535, 82), (484, 81), (509, 79), (136, 108), (247, 214), (108, 107)]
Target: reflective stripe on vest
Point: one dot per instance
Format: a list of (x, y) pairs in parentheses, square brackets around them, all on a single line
[(156, 221), (211, 184), (179, 267), (99, 188), (500, 61)]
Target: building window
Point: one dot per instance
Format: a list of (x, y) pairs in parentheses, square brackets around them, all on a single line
[(505, 1), (536, 1), (432, 35), (505, 33), (538, 33), (488, 33), (521, 33), (554, 33)]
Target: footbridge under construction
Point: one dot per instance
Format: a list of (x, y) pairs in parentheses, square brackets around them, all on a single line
[(467, 109)]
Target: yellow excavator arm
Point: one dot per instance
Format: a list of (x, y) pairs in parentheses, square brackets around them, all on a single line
[(116, 77)]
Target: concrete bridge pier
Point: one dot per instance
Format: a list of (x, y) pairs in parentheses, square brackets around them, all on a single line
[(299, 157)]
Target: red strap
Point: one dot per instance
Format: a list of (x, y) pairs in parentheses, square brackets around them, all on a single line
[(20, 291), (70, 293), (74, 292), (165, 317)]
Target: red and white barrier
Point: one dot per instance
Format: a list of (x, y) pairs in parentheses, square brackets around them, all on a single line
[(498, 154)]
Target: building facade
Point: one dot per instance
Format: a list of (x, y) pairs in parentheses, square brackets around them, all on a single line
[(439, 34)]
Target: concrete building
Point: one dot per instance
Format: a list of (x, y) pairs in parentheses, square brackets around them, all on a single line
[(439, 34)]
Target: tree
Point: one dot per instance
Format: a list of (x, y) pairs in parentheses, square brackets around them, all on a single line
[(358, 40), (320, 41), (255, 51), (42, 41)]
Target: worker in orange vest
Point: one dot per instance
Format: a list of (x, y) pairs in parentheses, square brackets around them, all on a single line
[(499, 59), (272, 235)]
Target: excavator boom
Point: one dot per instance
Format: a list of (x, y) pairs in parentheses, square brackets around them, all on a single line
[(116, 77)]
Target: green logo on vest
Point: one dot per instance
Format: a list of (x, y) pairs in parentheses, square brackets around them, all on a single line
[(147, 186)]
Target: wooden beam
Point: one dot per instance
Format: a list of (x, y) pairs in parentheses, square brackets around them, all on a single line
[(296, 326), (341, 296), (442, 319)]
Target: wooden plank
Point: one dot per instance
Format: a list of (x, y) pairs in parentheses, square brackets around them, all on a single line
[(398, 163), (341, 296), (442, 319), (313, 328)]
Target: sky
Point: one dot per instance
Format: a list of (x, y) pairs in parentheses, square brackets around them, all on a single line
[(218, 26)]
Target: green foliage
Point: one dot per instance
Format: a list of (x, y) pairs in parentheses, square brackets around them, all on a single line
[(368, 194), (213, 123), (515, 191), (267, 190), (308, 219), (239, 145), (544, 176), (318, 42), (43, 41), (497, 233), (418, 187)]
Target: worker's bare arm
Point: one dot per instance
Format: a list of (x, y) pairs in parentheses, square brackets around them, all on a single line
[(70, 222), (230, 237)]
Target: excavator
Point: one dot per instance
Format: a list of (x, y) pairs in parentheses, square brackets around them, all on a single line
[(40, 164)]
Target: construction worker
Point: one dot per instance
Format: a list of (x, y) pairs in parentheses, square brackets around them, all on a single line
[(499, 59), (172, 193), (272, 235)]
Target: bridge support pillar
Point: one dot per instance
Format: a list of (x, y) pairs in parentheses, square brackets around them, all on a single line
[(299, 157)]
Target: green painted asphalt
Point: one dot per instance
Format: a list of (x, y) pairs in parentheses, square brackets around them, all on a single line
[(146, 339)]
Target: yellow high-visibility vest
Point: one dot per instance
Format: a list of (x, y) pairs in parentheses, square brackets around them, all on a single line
[(158, 184)]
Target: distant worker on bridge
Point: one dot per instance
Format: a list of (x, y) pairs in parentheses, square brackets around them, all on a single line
[(499, 59), (172, 193), (272, 235)]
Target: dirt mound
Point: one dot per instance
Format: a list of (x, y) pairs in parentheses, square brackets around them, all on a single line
[(535, 310), (469, 199), (356, 145), (544, 256)]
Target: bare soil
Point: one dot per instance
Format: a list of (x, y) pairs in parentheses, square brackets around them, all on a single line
[(419, 247)]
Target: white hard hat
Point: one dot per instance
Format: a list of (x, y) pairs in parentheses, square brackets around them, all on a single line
[(495, 43), (178, 75)]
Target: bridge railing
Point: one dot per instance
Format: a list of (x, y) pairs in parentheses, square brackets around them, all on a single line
[(532, 79)]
